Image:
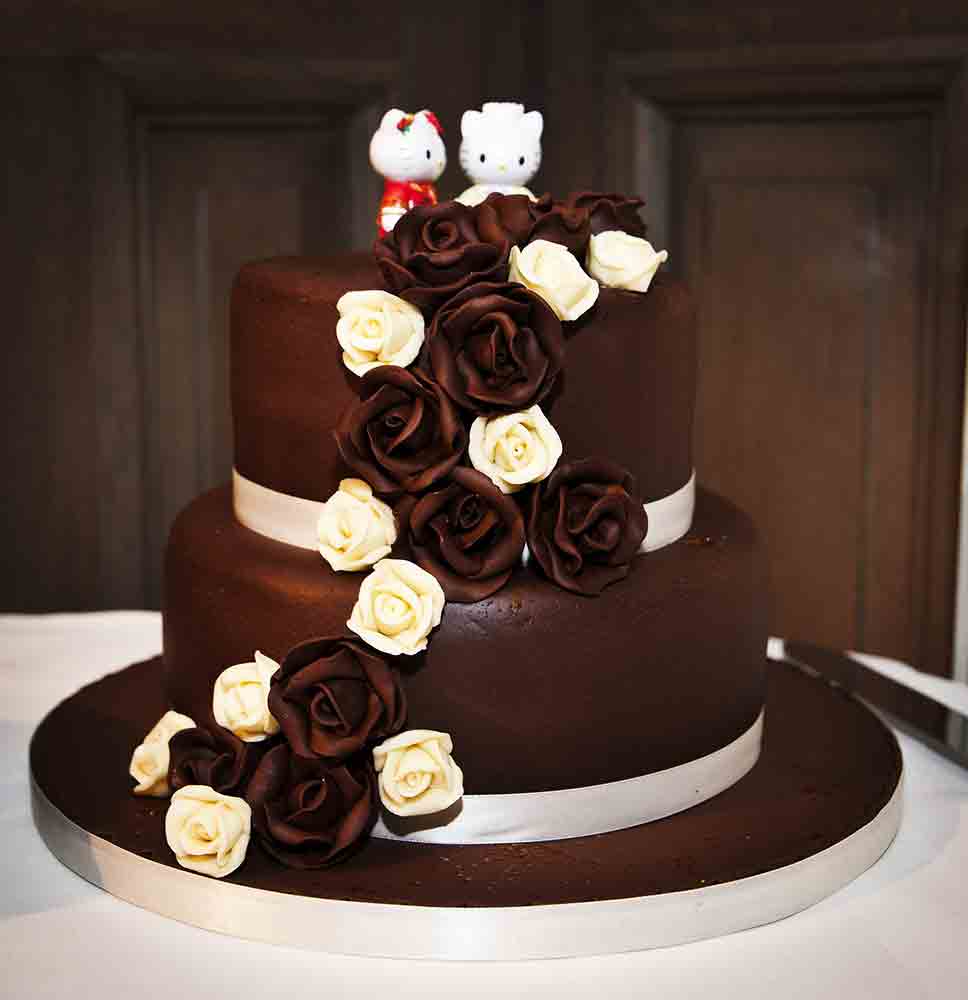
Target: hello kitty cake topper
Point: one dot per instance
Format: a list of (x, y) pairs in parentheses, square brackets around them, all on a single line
[(407, 150), (500, 150)]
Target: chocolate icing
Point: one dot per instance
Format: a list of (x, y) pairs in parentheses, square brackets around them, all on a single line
[(308, 813), (436, 250), (403, 434), (561, 222), (332, 695), (541, 688), (627, 389), (496, 348), (585, 525), (467, 534)]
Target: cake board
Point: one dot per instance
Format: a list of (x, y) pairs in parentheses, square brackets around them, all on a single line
[(821, 806)]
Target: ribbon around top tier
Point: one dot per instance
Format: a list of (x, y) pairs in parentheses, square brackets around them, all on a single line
[(293, 520)]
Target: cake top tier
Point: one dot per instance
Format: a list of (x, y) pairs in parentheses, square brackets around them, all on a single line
[(508, 305)]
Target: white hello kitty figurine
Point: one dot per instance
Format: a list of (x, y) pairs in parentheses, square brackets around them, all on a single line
[(408, 152), (500, 150)]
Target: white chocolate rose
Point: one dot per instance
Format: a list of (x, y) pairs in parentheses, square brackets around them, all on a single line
[(514, 449), (150, 760), (377, 328), (551, 271), (240, 699), (619, 260), (418, 776), (208, 831), (355, 528), (399, 603)]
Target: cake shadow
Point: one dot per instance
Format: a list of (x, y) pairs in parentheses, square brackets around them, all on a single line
[(406, 826)]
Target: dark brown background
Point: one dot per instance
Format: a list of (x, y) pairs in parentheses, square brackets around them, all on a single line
[(805, 164)]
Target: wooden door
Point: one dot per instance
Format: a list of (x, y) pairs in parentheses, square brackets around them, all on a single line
[(241, 187), (137, 185), (820, 216), (149, 152), (804, 241), (216, 177)]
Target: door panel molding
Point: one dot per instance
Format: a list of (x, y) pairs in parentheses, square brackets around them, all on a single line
[(899, 79), (131, 98)]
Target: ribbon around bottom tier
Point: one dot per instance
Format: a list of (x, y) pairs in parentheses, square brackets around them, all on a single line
[(581, 812), (294, 520)]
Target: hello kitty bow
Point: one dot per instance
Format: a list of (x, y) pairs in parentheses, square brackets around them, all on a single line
[(407, 120)]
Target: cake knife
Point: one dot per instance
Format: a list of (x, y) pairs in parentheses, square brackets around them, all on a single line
[(942, 728)]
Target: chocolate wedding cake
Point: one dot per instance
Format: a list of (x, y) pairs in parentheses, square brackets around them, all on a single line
[(600, 619), (463, 663), (463, 635)]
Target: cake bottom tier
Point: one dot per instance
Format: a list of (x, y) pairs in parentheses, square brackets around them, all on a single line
[(541, 689), (822, 804)]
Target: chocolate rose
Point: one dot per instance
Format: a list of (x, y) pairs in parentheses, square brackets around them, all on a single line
[(331, 696), (308, 813), (505, 218), (212, 756), (608, 211), (403, 435), (496, 348), (434, 251), (467, 534), (585, 524), (561, 222), (518, 219)]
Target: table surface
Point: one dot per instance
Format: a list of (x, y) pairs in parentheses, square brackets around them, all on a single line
[(897, 931)]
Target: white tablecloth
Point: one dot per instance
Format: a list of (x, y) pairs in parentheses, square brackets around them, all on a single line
[(898, 931)]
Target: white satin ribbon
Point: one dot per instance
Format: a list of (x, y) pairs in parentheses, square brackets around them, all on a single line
[(276, 515), (670, 517), (581, 812), (293, 520)]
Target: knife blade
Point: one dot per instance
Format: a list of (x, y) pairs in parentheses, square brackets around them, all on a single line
[(942, 728)]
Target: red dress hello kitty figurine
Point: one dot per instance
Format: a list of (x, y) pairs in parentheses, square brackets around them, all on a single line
[(408, 152)]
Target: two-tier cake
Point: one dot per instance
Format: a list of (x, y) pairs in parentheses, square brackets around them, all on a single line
[(541, 687), (463, 629)]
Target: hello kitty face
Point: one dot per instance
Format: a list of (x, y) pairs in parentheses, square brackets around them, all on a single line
[(501, 144), (408, 147)]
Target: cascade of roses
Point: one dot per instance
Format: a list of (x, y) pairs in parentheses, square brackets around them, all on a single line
[(314, 793), (299, 755), (457, 359), (458, 463)]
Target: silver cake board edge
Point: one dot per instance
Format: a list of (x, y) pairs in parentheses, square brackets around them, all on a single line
[(389, 930)]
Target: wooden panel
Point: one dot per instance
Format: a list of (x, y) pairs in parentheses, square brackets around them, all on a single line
[(212, 80), (713, 25), (565, 38), (109, 428), (443, 62), (754, 75), (217, 193), (87, 459), (324, 28), (48, 509), (804, 243), (943, 386), (114, 328)]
